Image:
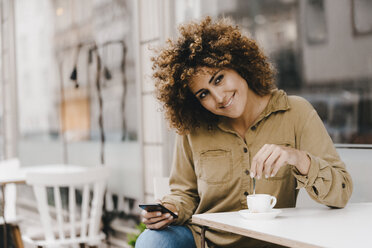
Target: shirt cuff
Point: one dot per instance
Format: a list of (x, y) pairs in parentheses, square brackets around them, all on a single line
[(304, 181)]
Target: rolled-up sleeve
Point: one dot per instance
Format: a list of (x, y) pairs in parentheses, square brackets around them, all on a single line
[(327, 181), (183, 182)]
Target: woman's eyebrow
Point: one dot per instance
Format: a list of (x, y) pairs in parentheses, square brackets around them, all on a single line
[(210, 80), (214, 74), (196, 93)]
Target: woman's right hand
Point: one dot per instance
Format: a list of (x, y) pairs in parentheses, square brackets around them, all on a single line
[(158, 220)]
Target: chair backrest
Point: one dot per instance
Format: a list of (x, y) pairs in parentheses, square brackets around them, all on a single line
[(70, 225), (9, 167)]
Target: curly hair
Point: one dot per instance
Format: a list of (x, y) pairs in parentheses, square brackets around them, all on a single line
[(213, 44)]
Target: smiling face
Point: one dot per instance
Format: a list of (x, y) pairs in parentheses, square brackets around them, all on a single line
[(221, 91)]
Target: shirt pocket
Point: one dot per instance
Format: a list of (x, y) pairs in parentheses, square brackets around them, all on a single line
[(215, 166)]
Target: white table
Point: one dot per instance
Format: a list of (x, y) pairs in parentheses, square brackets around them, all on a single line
[(13, 176), (301, 227), (19, 175)]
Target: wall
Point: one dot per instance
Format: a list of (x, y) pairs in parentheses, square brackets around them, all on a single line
[(344, 55)]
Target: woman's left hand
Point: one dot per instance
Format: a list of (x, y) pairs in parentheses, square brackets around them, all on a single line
[(270, 158), (157, 220)]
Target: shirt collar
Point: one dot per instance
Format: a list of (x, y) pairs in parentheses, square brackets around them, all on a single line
[(278, 102)]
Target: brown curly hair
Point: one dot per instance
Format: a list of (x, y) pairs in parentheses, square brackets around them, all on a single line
[(217, 44)]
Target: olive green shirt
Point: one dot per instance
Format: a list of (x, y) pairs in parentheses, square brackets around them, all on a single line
[(210, 171)]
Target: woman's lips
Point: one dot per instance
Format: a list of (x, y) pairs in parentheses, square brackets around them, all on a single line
[(229, 102)]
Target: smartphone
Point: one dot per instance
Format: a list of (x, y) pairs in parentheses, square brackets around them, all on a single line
[(157, 207)]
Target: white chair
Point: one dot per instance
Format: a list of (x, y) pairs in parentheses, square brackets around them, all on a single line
[(9, 172), (68, 227), (9, 167)]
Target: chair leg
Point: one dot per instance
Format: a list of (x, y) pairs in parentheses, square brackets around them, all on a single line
[(17, 238)]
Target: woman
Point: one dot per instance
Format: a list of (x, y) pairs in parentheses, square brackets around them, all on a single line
[(218, 91)]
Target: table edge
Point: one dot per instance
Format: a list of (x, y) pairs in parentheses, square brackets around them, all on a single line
[(250, 233)]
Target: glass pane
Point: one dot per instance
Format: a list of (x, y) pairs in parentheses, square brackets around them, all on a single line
[(316, 53), (76, 84), (1, 103)]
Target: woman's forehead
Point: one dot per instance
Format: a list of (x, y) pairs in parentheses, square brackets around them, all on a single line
[(202, 76), (205, 71), (201, 73)]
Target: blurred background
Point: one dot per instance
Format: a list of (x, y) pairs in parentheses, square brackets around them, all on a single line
[(76, 87)]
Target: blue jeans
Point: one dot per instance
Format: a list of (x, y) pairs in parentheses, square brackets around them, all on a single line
[(170, 237)]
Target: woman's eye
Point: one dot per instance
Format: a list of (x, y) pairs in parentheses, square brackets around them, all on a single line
[(218, 79), (202, 95)]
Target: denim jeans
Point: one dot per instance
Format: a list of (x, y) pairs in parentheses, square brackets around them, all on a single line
[(170, 237)]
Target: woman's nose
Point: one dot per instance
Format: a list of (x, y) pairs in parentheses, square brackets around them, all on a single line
[(218, 96)]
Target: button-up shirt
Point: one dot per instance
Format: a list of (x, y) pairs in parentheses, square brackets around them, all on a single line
[(210, 171)]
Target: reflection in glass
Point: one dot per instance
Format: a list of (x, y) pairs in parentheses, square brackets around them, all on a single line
[(316, 25), (65, 50), (62, 69), (361, 16), (314, 55)]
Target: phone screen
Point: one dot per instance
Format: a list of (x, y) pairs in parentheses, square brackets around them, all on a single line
[(157, 207)]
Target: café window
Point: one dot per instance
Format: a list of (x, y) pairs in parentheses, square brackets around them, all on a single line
[(76, 86), (316, 50)]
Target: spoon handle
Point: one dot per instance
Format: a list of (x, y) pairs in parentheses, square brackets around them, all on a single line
[(254, 186)]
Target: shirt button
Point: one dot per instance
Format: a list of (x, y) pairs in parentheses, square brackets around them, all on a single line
[(246, 193), (343, 185), (246, 172), (245, 150)]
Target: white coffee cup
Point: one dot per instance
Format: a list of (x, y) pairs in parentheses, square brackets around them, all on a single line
[(260, 203)]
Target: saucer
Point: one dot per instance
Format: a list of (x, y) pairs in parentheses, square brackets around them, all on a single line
[(260, 216)]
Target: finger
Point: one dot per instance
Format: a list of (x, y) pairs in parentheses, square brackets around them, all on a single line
[(152, 214), (282, 161), (156, 219), (161, 224), (147, 214), (269, 163), (253, 170), (143, 212), (262, 159)]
